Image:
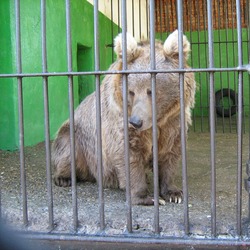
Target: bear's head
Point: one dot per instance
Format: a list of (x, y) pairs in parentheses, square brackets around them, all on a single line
[(167, 84)]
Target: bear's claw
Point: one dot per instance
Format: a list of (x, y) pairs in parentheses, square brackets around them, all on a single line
[(62, 182), (173, 196)]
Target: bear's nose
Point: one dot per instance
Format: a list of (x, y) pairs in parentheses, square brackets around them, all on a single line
[(135, 121)]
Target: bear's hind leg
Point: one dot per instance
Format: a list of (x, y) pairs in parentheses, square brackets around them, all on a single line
[(61, 158)]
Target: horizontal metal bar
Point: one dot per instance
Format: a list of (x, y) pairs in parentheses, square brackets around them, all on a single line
[(219, 42), (107, 72), (138, 239)]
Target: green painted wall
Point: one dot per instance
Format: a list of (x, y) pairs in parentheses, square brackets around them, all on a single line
[(82, 37), (8, 88), (225, 56)]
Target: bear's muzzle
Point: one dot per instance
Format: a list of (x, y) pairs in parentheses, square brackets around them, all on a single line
[(135, 121)]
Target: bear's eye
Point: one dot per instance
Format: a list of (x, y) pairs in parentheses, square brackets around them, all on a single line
[(149, 92), (131, 93)]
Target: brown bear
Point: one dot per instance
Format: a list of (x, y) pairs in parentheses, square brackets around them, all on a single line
[(140, 123)]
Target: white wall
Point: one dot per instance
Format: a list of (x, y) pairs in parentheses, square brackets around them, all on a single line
[(137, 23)]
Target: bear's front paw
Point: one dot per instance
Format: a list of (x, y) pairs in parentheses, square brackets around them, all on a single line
[(62, 182), (147, 201), (175, 196)]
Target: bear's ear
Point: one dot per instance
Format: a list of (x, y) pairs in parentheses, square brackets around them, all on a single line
[(132, 47), (171, 46)]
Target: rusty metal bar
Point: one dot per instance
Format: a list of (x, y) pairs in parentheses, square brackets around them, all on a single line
[(182, 118), (20, 113), (46, 115), (71, 118), (125, 116), (98, 118)]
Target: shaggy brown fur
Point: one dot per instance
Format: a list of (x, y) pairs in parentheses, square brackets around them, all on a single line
[(140, 127)]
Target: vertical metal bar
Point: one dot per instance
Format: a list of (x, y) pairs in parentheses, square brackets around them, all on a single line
[(71, 118), (46, 114), (220, 63), (239, 123), (133, 16), (212, 118), (118, 12), (112, 28), (182, 117), (20, 113), (199, 64), (154, 116), (98, 117), (248, 49), (227, 56), (233, 6), (125, 116), (140, 20), (147, 18), (206, 59), (167, 25), (161, 9), (190, 8)]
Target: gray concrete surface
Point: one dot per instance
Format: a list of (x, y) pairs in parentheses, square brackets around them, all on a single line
[(171, 215)]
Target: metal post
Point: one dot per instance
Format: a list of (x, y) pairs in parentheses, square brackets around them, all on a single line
[(20, 112), (212, 118), (154, 116), (239, 122), (98, 117), (71, 119), (125, 116), (182, 117), (46, 114)]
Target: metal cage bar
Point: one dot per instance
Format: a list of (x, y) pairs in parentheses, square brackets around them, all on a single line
[(154, 116), (125, 116), (248, 35), (46, 116), (182, 118), (243, 68), (227, 56), (212, 118), (20, 112), (98, 118), (239, 122), (71, 117)]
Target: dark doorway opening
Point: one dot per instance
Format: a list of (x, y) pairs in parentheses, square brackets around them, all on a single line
[(85, 63)]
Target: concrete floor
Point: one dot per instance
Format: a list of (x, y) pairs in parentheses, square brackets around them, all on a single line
[(171, 215)]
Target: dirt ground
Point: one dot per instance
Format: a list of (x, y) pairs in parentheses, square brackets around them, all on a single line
[(171, 215)]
